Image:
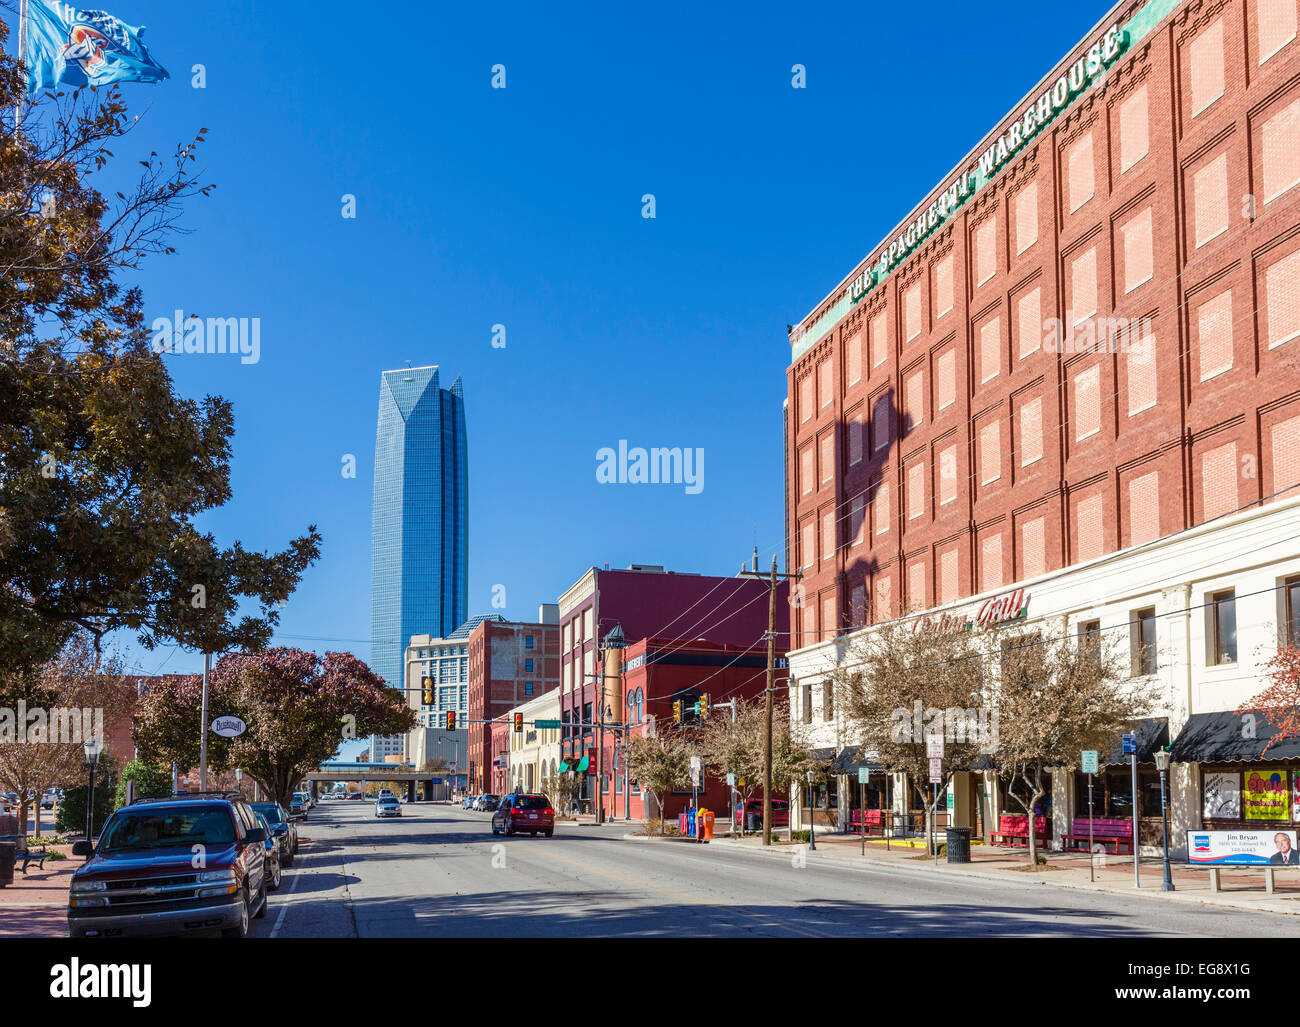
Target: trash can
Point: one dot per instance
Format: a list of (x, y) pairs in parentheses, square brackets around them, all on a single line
[(7, 852), (958, 844), (706, 831), (754, 822)]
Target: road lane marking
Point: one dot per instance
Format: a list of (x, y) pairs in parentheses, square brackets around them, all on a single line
[(284, 908)]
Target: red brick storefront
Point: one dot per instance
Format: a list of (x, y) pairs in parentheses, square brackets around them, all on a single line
[(950, 428)]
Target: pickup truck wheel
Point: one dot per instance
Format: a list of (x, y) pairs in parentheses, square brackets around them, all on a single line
[(241, 930)]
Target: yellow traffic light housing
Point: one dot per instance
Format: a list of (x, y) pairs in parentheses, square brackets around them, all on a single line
[(677, 711), (519, 722), (451, 720)]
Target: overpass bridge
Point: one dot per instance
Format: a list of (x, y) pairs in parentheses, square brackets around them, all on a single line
[(430, 785)]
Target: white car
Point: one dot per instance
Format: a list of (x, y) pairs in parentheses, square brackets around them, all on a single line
[(387, 806)]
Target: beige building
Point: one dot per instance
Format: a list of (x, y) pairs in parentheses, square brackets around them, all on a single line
[(535, 752)]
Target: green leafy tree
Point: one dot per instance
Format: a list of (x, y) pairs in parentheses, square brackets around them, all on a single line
[(150, 781), (298, 705), (106, 469)]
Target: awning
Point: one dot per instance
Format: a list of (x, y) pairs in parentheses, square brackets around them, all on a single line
[(1152, 734), (583, 763), (823, 756), (850, 761), (1228, 738), (564, 768)]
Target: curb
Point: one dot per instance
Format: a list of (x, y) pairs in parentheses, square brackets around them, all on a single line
[(862, 861)]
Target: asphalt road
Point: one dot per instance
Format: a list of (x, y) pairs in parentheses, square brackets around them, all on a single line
[(438, 872)]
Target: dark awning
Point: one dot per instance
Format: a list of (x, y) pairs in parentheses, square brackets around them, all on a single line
[(850, 761), (822, 755), (1152, 734), (1229, 738)]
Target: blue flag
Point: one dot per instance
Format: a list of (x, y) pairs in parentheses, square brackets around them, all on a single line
[(66, 46)]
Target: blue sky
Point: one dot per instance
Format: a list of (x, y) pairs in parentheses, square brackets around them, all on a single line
[(522, 206)]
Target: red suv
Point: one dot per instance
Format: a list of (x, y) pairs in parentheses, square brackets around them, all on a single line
[(746, 813), (524, 812), (165, 866)]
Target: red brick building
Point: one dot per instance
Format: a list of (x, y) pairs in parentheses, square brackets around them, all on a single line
[(1087, 337), (659, 671), (646, 602), (498, 746), (509, 663)]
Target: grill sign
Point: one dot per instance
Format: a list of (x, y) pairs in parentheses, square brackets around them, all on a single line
[(228, 727), (997, 610)]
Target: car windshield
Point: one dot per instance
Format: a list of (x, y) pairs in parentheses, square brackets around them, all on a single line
[(388, 800), (531, 802), (172, 827), (270, 810)]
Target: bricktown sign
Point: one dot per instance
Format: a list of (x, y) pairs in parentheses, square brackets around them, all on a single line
[(999, 610)]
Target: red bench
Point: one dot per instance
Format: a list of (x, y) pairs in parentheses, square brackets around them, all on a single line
[(1014, 830), (874, 820), (1104, 830)]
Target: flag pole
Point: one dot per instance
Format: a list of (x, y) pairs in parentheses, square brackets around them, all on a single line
[(22, 57)]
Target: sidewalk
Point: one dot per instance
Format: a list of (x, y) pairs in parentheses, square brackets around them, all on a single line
[(1241, 888), (36, 904)]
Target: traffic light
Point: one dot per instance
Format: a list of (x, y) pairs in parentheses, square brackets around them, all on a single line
[(451, 720), (702, 707), (519, 722), (428, 691), (677, 711)]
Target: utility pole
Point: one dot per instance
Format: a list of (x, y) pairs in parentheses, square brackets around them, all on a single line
[(771, 686), (203, 738)]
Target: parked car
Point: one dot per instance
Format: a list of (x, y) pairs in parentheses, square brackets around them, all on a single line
[(388, 806), (140, 878), (272, 855), (467, 801), (522, 812), (486, 802), (745, 815), (299, 805), (283, 830), (51, 798), (357, 796)]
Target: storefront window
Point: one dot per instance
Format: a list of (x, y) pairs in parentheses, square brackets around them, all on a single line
[(1017, 787), (1149, 784)]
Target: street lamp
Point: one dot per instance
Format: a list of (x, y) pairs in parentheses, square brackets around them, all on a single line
[(812, 811), (1162, 765), (92, 748)]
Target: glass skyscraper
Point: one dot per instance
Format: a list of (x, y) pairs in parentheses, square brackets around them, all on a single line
[(420, 519)]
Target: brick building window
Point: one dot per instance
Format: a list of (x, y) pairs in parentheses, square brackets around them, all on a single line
[(828, 459), (1033, 559), (912, 312), (807, 473), (991, 562), (1091, 537), (805, 399), (1277, 26), (853, 357), (1286, 455), (884, 599), (948, 475), (1205, 56), (916, 586), (1083, 287), (855, 430), (880, 424), (943, 287), (915, 399), (881, 508), (1139, 258), (858, 604), (1134, 129), (879, 340), (986, 250), (990, 357), (1087, 403), (828, 616), (915, 491), (1214, 335), (990, 453), (808, 545), (1031, 431), (946, 374), (1144, 509), (824, 376), (1026, 217), (1219, 481), (1081, 177), (1210, 200), (1282, 300), (1029, 321), (857, 519), (1141, 364), (948, 576), (828, 535), (1280, 151)]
